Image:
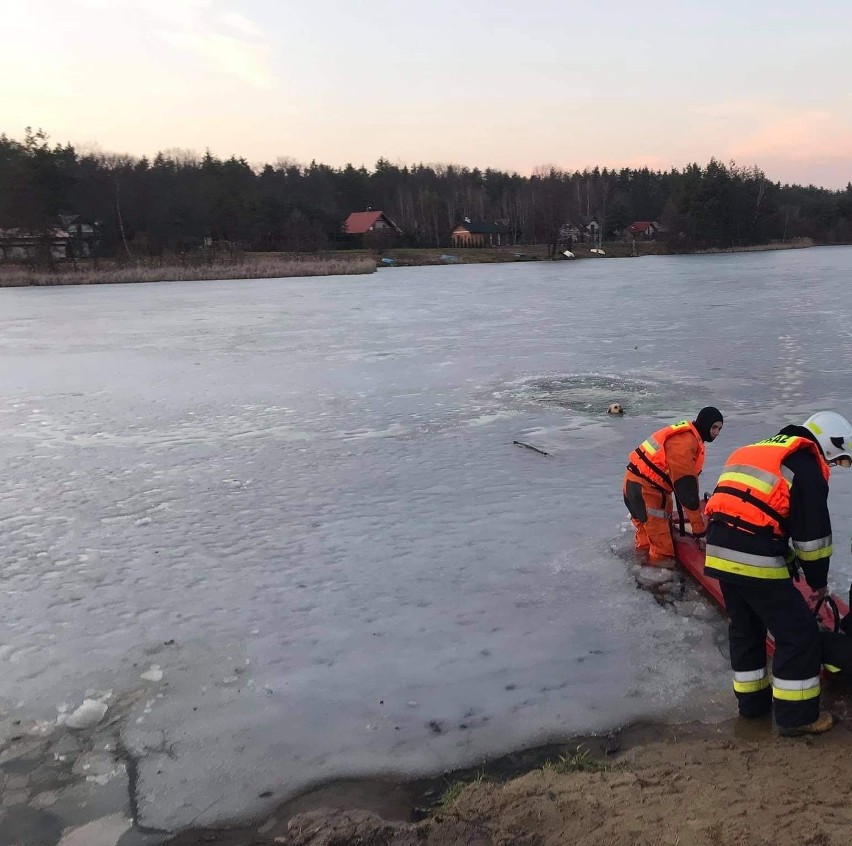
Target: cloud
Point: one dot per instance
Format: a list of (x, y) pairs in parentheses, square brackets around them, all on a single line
[(177, 13), (231, 56), (788, 141), (225, 40), (733, 110), (757, 129), (798, 136), (240, 23)]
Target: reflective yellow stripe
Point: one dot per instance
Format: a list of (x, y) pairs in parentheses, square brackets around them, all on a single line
[(816, 555), (652, 446), (748, 481), (812, 545), (795, 695), (795, 690), (832, 669), (738, 569), (751, 470), (752, 686), (750, 681), (750, 675), (727, 554), (818, 543)]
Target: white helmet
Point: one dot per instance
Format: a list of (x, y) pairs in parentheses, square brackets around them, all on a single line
[(834, 433)]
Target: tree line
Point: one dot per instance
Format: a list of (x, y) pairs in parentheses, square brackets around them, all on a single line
[(179, 201)]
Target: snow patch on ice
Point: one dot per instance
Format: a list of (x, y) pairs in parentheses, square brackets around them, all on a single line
[(89, 714), (154, 674)]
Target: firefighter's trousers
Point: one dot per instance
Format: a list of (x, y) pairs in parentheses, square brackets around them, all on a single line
[(778, 606)]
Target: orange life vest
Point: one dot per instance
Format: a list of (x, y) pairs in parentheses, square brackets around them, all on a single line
[(649, 461), (753, 495), (755, 488)]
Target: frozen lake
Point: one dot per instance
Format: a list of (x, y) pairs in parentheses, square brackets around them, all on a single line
[(296, 508)]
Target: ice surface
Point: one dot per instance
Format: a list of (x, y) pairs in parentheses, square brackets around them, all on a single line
[(103, 832), (291, 511)]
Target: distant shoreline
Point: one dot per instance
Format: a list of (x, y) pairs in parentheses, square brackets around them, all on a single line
[(800, 244), (413, 257), (342, 263)]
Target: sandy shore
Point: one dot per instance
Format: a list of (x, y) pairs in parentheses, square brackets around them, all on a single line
[(732, 784)]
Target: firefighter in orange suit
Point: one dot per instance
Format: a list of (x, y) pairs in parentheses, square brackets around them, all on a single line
[(670, 460), (768, 516)]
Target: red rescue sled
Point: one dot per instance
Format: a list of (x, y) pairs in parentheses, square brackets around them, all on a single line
[(691, 557)]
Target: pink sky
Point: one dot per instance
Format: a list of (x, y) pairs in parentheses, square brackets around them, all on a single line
[(487, 84)]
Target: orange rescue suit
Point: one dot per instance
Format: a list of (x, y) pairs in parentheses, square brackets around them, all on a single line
[(669, 460)]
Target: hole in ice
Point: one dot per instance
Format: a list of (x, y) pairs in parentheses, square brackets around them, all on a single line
[(593, 393)]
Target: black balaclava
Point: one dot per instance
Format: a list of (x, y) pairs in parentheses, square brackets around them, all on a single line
[(706, 418)]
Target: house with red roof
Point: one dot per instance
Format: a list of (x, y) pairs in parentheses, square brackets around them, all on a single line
[(646, 229), (371, 229)]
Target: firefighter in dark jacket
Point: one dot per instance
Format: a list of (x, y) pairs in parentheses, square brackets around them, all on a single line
[(767, 518)]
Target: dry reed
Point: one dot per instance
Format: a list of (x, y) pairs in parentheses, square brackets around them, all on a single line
[(86, 273)]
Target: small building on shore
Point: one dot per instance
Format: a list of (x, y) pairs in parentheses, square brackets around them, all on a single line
[(82, 234), (23, 245), (591, 230), (569, 234), (645, 229), (371, 229), (480, 233)]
